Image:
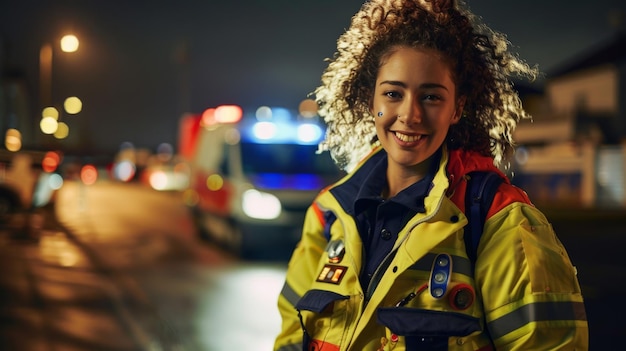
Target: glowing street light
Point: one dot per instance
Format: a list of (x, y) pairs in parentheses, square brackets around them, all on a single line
[(69, 43)]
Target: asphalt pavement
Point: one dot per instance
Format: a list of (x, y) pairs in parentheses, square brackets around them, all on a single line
[(53, 295)]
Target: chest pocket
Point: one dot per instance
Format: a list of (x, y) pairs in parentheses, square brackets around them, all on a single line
[(426, 329), (425, 322)]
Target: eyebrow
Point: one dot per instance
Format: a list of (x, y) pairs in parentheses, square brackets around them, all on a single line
[(423, 86)]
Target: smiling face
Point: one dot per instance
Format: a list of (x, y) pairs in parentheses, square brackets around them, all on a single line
[(417, 97)]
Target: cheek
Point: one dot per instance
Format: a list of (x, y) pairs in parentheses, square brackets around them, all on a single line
[(379, 111), (387, 118), (383, 112), (381, 123), (378, 106)]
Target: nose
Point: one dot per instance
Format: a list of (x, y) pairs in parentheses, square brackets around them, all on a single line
[(411, 112)]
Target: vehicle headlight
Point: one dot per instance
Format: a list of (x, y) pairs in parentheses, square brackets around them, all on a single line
[(260, 205), (158, 180)]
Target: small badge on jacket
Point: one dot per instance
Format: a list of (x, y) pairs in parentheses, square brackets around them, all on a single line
[(336, 249), (331, 274)]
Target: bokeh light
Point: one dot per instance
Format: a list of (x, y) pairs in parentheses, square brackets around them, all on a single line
[(264, 130), (69, 43), (124, 170), (48, 125), (55, 181), (50, 161), (263, 113), (309, 132), (50, 112), (73, 105), (88, 174), (165, 152), (158, 180), (63, 130), (208, 117), (308, 108), (13, 140), (232, 137), (228, 113), (214, 182)]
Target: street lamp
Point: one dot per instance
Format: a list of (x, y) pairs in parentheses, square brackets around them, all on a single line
[(69, 43), (49, 123)]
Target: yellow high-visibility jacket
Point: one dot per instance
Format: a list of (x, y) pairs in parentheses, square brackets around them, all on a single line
[(521, 294)]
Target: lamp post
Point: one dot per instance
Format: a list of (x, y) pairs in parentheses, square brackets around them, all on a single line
[(69, 43), (49, 123)]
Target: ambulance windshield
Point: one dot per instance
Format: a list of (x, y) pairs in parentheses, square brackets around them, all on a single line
[(286, 159)]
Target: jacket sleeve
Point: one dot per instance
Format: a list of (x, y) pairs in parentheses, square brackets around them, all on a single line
[(300, 274), (530, 291)]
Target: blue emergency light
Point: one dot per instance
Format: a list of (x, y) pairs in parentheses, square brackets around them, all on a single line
[(280, 126)]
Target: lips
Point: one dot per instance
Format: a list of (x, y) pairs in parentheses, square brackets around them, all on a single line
[(407, 138)]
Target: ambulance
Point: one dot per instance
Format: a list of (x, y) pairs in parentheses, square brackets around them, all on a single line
[(252, 176)]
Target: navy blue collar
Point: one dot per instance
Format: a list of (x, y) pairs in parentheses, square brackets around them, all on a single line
[(367, 183)]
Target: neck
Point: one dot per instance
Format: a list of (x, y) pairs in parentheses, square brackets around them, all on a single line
[(401, 177)]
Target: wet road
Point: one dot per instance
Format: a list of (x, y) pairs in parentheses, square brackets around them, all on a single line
[(120, 267)]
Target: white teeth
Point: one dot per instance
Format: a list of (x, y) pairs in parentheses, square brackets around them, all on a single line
[(408, 138)]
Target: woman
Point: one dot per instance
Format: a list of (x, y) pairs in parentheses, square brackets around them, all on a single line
[(417, 97)]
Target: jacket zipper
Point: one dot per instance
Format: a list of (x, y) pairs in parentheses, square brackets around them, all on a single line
[(380, 270)]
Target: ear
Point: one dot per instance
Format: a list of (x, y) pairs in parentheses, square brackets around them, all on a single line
[(458, 112)]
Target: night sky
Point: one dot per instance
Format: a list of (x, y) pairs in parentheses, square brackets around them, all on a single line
[(142, 64)]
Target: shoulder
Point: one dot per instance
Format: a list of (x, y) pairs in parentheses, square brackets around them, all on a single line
[(463, 162), (506, 195)]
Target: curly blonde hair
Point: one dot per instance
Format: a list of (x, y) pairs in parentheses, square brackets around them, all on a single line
[(482, 67)]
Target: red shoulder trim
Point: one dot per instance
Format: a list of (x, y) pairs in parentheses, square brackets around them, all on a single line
[(319, 213), (506, 195)]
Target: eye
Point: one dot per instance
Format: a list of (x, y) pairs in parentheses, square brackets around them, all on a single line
[(431, 97), (393, 94)]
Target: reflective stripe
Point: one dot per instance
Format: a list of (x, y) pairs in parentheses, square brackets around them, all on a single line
[(460, 265), (319, 214), (535, 312), (290, 294)]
